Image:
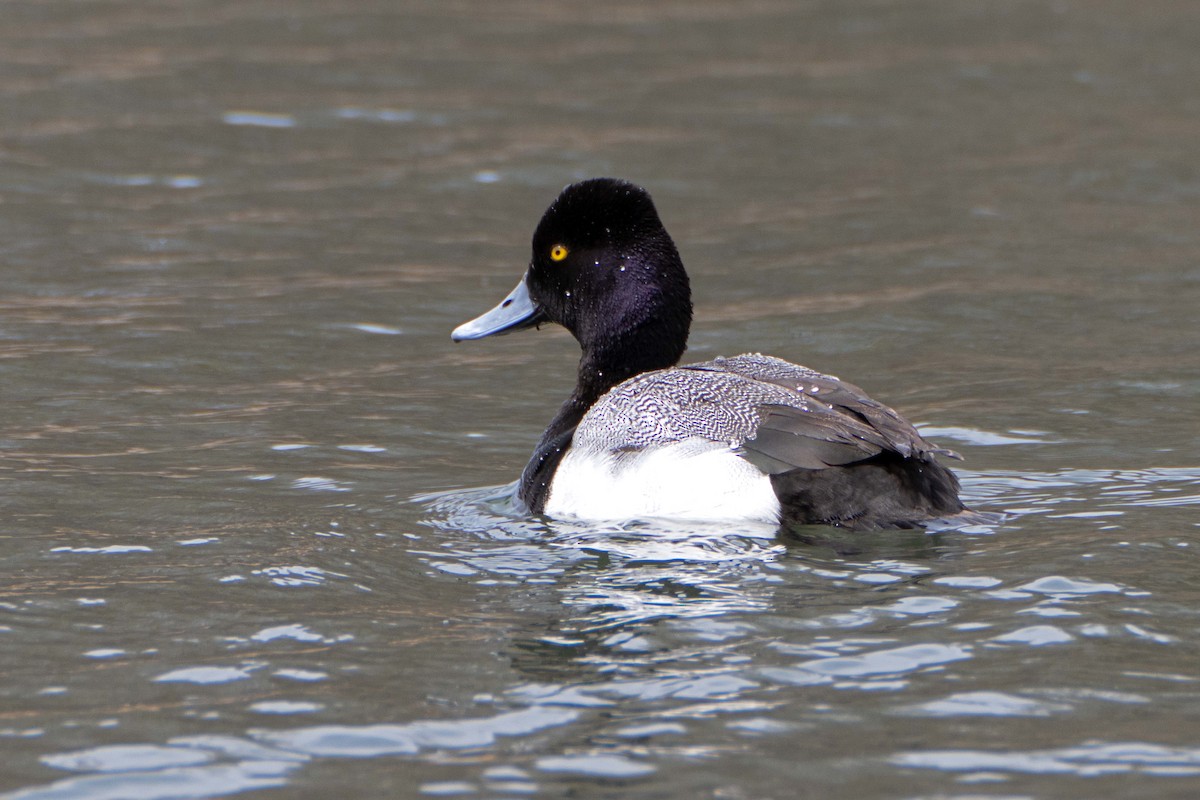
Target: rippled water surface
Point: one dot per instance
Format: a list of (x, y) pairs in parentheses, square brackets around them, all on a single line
[(256, 537)]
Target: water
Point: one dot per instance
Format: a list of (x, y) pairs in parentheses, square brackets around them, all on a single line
[(256, 540)]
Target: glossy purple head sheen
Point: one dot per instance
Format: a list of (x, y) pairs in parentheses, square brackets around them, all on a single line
[(604, 267)]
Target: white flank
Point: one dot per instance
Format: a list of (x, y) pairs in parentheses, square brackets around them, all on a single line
[(695, 479)]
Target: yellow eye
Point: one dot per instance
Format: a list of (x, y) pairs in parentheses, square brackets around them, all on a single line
[(558, 252)]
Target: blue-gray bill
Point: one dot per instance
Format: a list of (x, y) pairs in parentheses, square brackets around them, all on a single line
[(515, 312)]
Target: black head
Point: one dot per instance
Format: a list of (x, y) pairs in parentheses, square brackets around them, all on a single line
[(604, 267)]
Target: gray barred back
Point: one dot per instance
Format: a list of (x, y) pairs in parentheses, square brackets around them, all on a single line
[(781, 415)]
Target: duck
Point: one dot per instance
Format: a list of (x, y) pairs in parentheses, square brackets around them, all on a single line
[(746, 438)]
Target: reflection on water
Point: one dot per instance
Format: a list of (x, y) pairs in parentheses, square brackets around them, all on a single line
[(1089, 761), (643, 645)]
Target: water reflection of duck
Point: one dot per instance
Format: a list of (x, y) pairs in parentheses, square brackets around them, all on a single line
[(744, 438)]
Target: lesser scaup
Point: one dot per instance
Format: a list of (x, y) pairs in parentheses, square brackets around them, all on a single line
[(744, 438)]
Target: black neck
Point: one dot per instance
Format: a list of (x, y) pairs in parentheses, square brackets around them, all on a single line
[(643, 349), (600, 371)]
